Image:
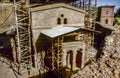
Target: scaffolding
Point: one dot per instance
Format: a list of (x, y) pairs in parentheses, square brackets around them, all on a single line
[(57, 48), (23, 33), (23, 37), (22, 19), (90, 7)]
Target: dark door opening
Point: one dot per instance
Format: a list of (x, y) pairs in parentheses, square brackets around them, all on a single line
[(79, 58), (70, 58)]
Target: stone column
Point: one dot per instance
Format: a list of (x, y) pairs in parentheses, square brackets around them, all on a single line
[(14, 51), (64, 57), (83, 57), (74, 59), (68, 60)]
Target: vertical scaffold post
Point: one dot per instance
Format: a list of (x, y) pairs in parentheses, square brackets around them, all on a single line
[(22, 19)]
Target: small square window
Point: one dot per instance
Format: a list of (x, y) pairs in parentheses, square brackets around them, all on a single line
[(107, 12), (106, 21)]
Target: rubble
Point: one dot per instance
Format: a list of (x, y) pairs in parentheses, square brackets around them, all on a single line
[(108, 65)]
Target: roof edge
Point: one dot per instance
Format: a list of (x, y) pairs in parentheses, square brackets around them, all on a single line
[(107, 6), (45, 7), (107, 27)]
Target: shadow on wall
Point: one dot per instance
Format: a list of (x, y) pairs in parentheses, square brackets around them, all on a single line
[(42, 43), (43, 47), (61, 73), (5, 47)]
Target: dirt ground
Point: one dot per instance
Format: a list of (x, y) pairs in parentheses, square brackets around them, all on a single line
[(6, 71)]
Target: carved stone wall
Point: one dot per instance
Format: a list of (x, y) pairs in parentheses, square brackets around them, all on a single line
[(107, 15), (74, 47), (48, 16)]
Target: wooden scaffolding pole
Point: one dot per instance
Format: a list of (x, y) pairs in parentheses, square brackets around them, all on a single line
[(22, 19), (59, 51), (53, 55)]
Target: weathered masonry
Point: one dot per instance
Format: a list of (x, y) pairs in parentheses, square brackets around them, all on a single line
[(47, 16), (61, 37), (66, 48), (106, 15), (51, 36)]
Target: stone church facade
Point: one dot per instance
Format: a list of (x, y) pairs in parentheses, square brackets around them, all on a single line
[(48, 16), (49, 22)]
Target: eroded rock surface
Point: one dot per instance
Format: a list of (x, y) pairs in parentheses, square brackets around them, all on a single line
[(108, 65)]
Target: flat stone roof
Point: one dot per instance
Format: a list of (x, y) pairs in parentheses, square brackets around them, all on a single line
[(59, 30)]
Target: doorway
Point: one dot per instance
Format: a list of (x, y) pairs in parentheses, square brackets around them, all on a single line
[(69, 59), (79, 58)]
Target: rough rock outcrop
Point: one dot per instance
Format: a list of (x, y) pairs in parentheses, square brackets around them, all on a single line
[(108, 65)]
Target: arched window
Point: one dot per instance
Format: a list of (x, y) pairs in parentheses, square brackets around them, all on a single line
[(107, 12), (65, 21), (58, 21), (106, 21), (62, 20)]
